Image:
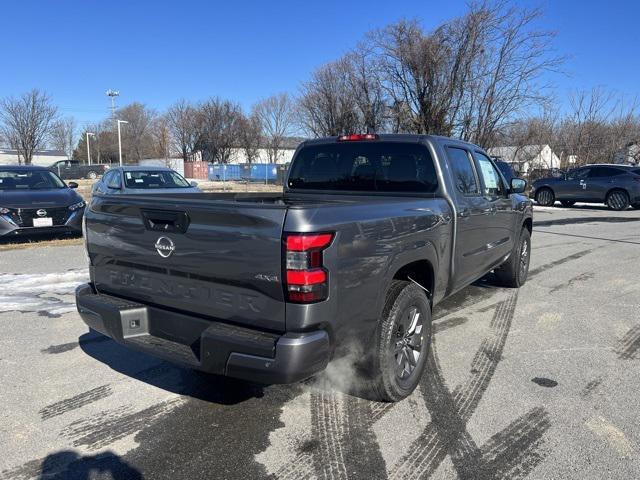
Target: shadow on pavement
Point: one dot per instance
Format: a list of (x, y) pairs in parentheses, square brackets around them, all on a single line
[(70, 465), (161, 374)]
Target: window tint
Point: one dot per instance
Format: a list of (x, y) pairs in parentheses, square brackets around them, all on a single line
[(490, 177), (29, 180), (599, 172), (115, 181), (375, 166), (463, 173), (578, 174), (154, 179)]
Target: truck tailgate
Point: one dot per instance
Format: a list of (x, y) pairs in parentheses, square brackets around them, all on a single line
[(216, 259)]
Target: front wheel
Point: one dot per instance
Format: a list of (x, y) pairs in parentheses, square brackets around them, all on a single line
[(513, 273), (403, 340), (545, 197), (92, 175)]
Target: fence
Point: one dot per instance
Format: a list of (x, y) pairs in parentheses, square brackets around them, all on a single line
[(257, 172)]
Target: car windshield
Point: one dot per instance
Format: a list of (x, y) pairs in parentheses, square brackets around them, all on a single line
[(29, 180), (150, 179), (364, 166)]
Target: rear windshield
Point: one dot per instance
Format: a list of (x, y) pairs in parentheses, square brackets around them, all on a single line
[(29, 180), (154, 179), (370, 166)]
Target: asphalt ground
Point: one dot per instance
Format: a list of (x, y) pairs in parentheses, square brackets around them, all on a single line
[(540, 382)]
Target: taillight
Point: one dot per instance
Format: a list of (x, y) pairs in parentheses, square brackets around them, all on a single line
[(356, 137), (306, 277)]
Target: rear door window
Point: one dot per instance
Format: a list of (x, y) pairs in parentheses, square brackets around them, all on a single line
[(464, 175), (375, 166), (601, 172), (578, 174)]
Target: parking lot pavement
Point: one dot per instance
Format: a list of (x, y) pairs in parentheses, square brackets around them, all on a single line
[(540, 382)]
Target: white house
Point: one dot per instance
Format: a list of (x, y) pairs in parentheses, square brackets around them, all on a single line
[(527, 157), (43, 158)]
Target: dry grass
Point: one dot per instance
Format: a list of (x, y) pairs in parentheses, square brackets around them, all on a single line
[(84, 187), (40, 242)]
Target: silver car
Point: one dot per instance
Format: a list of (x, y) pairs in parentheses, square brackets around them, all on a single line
[(143, 180)]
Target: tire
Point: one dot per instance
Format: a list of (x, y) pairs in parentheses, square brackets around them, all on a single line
[(92, 175), (545, 197), (400, 336), (513, 273), (618, 200), (567, 203)]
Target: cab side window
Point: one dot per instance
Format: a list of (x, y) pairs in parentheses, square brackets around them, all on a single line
[(491, 179), (464, 175), (602, 172)]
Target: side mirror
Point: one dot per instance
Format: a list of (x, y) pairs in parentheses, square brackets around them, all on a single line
[(518, 185), (194, 184), (72, 185)]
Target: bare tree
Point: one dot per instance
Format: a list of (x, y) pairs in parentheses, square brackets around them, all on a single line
[(250, 136), (185, 125), (276, 118), (64, 135), (220, 124), (26, 122), (327, 105), (137, 141), (161, 134)]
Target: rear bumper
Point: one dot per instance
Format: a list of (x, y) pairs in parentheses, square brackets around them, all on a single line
[(205, 345)]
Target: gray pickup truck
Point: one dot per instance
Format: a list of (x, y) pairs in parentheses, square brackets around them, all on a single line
[(370, 233)]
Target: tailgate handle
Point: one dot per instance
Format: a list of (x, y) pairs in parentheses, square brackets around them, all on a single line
[(165, 220)]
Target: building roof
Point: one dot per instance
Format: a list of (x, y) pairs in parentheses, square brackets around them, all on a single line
[(40, 153), (24, 167), (513, 153)]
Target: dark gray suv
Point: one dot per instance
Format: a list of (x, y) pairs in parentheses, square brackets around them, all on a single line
[(617, 186)]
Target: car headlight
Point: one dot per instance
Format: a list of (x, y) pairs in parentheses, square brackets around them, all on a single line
[(78, 205), (4, 211)]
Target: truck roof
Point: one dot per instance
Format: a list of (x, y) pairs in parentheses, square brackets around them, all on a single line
[(395, 137)]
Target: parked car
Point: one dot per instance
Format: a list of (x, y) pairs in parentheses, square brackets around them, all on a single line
[(617, 186), (370, 233), (132, 180), (34, 200), (73, 169)]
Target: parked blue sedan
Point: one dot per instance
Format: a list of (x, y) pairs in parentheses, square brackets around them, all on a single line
[(143, 180)]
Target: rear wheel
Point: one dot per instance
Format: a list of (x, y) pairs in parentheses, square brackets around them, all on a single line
[(618, 200), (513, 273), (545, 197), (403, 339), (567, 203)]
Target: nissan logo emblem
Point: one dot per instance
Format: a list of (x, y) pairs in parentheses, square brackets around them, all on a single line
[(41, 213), (164, 247)]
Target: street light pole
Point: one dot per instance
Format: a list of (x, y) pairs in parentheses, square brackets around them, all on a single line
[(120, 139), (88, 149)]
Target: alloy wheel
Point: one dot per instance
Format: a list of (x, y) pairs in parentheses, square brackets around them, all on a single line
[(407, 342)]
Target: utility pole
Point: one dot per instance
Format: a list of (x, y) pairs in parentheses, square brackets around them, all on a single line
[(120, 139), (89, 134)]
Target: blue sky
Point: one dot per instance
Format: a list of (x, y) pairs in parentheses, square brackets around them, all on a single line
[(156, 51)]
